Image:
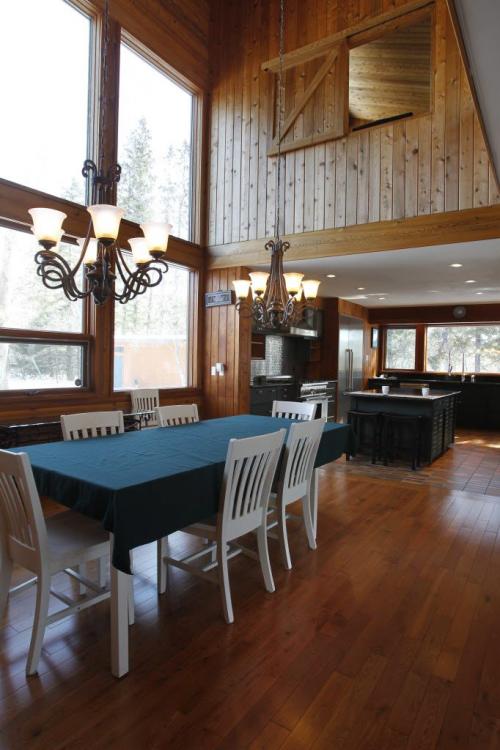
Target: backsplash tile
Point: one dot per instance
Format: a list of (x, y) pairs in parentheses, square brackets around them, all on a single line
[(284, 356)]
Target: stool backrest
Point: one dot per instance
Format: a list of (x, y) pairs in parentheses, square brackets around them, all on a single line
[(248, 475), (91, 424), (24, 530), (146, 399), (172, 416), (301, 410), (301, 450)]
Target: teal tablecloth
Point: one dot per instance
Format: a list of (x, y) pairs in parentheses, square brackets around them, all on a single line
[(146, 484)]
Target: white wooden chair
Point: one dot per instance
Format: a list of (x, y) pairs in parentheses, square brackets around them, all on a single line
[(301, 410), (173, 416), (248, 475), (294, 482), (43, 547), (91, 424), (146, 400)]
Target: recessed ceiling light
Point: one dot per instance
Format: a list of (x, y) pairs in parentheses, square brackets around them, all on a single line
[(470, 281), (381, 297), (479, 292), (434, 291), (330, 275), (361, 288), (456, 265)]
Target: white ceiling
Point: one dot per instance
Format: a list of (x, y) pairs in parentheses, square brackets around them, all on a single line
[(480, 26), (420, 276)]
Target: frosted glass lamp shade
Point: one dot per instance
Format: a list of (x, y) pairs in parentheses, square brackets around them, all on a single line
[(259, 281), (310, 288), (47, 225), (241, 288), (293, 282), (140, 250), (106, 220), (156, 234), (90, 256)]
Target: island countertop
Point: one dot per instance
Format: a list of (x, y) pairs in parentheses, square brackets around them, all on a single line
[(405, 393)]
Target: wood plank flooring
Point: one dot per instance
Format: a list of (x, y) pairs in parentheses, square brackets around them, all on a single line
[(385, 638)]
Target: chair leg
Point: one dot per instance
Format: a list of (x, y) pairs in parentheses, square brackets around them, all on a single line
[(265, 563), (162, 575), (5, 578), (306, 514), (41, 610), (131, 603), (283, 537), (101, 572), (225, 588)]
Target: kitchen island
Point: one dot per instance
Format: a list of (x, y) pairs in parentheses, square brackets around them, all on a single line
[(438, 411)]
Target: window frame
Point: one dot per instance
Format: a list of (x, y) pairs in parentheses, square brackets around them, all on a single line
[(384, 358)]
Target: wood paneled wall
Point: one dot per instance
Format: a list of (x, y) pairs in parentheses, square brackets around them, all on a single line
[(427, 164), (485, 313), (227, 340)]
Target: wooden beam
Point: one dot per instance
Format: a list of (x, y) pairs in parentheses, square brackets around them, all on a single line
[(15, 200), (450, 4), (322, 46), (422, 231)]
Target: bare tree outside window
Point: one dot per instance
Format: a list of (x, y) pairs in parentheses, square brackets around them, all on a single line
[(463, 348), (400, 348)]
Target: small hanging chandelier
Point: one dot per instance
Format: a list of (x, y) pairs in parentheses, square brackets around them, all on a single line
[(278, 299), (101, 257)]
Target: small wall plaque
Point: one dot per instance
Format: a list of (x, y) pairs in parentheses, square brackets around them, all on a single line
[(216, 299)]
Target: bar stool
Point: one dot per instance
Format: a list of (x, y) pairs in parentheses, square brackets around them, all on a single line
[(367, 427), (402, 435)]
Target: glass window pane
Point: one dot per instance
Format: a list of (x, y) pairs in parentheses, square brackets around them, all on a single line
[(151, 336), (25, 303), (44, 58), (27, 366), (400, 348), (154, 145), (463, 348)]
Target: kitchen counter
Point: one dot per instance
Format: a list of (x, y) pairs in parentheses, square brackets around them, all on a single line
[(437, 410), (408, 393)]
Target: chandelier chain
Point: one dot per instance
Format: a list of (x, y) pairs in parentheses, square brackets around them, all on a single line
[(280, 113), (104, 87)]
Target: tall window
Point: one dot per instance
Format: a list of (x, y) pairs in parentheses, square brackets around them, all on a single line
[(151, 336), (463, 348), (44, 59), (400, 348), (154, 145), (41, 339)]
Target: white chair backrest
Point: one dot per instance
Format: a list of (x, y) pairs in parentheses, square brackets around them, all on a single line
[(300, 455), (91, 424), (248, 476), (301, 410), (172, 416), (24, 530), (146, 399)]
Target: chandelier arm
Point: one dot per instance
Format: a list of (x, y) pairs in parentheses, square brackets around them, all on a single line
[(56, 273)]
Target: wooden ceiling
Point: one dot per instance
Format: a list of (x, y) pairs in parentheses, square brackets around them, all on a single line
[(391, 76)]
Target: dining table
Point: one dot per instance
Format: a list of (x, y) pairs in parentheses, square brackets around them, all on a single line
[(144, 485)]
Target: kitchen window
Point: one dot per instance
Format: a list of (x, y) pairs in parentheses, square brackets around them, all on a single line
[(463, 348), (400, 348)]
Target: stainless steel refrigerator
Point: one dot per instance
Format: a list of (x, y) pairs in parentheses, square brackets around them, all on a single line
[(350, 377)]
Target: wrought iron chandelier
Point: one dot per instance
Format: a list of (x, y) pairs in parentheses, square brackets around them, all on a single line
[(278, 299), (101, 257)]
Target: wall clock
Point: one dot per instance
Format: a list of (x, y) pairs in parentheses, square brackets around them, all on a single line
[(459, 312)]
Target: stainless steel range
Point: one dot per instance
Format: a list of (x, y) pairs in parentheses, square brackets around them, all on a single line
[(324, 392)]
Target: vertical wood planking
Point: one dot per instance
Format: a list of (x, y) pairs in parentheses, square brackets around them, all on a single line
[(372, 175), (386, 149), (411, 168), (398, 171)]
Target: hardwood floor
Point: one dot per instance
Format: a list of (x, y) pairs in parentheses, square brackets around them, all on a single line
[(387, 637)]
